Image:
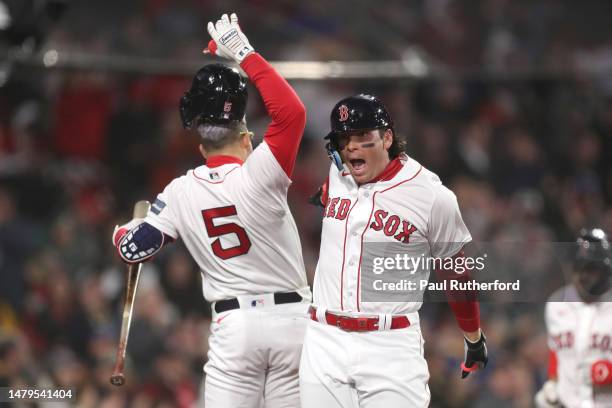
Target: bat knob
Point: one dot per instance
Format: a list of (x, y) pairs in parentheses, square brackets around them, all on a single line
[(117, 380)]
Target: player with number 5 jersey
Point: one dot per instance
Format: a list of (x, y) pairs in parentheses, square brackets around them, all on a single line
[(232, 214)]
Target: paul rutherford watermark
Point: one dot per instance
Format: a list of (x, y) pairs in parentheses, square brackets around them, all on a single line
[(495, 272)]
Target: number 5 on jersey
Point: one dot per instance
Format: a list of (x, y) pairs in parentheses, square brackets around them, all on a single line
[(244, 243)]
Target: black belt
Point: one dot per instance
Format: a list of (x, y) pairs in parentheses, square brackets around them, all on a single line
[(279, 299)]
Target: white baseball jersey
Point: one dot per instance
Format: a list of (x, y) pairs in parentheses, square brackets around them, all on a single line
[(412, 208), (580, 334), (235, 222)]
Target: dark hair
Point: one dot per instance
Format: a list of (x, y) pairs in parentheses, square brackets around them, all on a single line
[(398, 146), (215, 136)]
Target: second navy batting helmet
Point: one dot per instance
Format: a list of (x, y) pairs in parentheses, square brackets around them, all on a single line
[(593, 262), (356, 113), (218, 95), (593, 248)]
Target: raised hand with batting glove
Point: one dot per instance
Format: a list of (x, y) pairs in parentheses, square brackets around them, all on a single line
[(228, 40), (475, 355)]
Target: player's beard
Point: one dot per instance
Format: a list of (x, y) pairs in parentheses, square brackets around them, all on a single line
[(590, 290)]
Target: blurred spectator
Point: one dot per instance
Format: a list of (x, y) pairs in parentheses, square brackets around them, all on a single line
[(182, 284), (82, 111)]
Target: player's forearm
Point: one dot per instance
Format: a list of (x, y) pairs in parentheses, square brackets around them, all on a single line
[(281, 101), (472, 336), (463, 303), (467, 314), (466, 310), (284, 107)]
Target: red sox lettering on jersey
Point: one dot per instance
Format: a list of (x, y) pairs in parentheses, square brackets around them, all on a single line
[(565, 340), (389, 224), (599, 341)]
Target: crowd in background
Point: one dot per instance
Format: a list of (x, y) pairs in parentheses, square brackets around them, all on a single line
[(529, 158)]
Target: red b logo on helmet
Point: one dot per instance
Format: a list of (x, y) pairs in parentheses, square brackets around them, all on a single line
[(344, 113), (227, 107)]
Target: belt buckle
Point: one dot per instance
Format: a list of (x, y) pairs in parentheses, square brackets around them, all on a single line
[(344, 323), (362, 324)]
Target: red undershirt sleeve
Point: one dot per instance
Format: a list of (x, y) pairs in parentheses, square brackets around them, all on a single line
[(447, 235), (552, 365), (463, 303), (287, 111), (325, 192)]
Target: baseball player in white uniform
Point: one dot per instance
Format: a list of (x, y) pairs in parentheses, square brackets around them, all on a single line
[(233, 217), (370, 354), (579, 325)]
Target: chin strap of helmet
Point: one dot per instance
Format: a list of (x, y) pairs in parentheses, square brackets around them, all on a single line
[(334, 156)]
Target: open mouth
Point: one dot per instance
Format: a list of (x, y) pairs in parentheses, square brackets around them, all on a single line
[(357, 164)]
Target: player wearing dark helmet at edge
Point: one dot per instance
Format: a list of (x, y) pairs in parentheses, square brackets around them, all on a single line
[(579, 327), (593, 264)]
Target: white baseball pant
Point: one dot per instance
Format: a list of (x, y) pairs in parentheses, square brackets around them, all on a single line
[(378, 369), (253, 357)]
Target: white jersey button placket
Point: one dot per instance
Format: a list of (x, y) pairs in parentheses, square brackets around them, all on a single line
[(359, 217)]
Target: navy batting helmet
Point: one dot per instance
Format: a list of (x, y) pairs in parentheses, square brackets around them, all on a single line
[(593, 247), (593, 261), (218, 95), (359, 113)]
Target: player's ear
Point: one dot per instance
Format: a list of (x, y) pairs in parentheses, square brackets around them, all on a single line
[(202, 151), (387, 139), (245, 140)]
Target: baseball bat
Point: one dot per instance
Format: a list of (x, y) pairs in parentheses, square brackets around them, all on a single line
[(118, 379)]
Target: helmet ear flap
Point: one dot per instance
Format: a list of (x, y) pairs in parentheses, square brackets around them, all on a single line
[(186, 110), (334, 156)]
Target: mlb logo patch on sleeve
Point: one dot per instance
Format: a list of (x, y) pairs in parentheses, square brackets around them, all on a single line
[(157, 206)]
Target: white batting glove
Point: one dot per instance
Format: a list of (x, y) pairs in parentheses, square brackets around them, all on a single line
[(229, 38), (548, 397)]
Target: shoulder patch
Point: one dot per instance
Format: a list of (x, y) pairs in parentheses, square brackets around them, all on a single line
[(157, 206)]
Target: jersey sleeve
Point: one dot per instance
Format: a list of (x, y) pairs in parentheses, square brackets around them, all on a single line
[(447, 233), (284, 107), (552, 353), (162, 214), (263, 180), (548, 321)]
